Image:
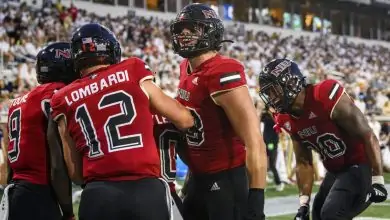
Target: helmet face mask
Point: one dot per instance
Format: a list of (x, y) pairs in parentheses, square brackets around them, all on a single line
[(196, 30), (190, 38), (280, 83), (187, 34), (273, 96)]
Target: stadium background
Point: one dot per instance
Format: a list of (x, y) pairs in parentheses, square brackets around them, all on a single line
[(342, 39)]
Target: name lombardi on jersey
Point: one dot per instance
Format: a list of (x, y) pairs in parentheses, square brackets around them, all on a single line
[(90, 89)]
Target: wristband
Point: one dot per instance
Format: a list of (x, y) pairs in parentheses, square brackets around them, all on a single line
[(256, 196), (256, 203), (257, 192), (378, 180), (304, 200)]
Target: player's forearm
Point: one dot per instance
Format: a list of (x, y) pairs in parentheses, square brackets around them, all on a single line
[(175, 112), (73, 159), (63, 190), (183, 120), (256, 163), (74, 172), (73, 165), (305, 178), (373, 153)]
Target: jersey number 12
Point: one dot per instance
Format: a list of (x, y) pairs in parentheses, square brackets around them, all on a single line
[(115, 141)]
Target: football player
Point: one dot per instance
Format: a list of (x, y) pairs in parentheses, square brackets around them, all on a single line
[(36, 163), (106, 127), (322, 117), (168, 138), (214, 88)]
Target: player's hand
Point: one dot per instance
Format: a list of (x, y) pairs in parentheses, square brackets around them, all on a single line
[(378, 193), (255, 205), (303, 213)]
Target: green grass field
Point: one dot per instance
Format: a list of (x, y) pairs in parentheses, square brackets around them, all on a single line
[(288, 191), (387, 178), (76, 210)]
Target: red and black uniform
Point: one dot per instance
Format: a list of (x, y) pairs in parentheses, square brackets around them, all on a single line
[(344, 190), (107, 115), (216, 157), (168, 138), (28, 154)]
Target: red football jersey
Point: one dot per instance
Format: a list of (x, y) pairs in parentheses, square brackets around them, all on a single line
[(108, 117), (167, 138), (218, 147), (315, 129), (27, 126)]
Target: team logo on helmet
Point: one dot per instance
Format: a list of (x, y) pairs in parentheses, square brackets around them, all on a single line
[(65, 53), (280, 68), (209, 14)]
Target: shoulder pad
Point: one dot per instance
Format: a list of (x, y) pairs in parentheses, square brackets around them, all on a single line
[(328, 93), (328, 90)]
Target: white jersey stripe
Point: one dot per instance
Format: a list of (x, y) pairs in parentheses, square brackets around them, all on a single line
[(334, 91), (228, 78)]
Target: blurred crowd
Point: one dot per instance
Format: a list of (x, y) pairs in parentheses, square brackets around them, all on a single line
[(25, 29)]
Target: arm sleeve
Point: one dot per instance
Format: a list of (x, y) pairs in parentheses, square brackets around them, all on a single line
[(48, 94), (58, 106), (328, 94), (226, 77), (140, 71)]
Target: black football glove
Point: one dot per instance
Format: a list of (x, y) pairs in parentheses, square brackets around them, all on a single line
[(303, 213), (255, 205), (378, 193)]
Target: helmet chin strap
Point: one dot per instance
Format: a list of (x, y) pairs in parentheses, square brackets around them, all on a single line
[(288, 105)]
